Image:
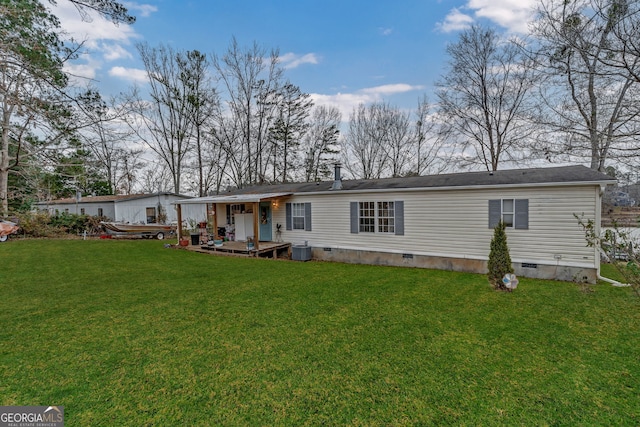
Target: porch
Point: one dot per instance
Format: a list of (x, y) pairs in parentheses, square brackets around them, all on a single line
[(273, 250), (239, 220)]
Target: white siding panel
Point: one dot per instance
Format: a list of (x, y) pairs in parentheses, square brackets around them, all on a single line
[(191, 213), (89, 208), (456, 224), (135, 211)]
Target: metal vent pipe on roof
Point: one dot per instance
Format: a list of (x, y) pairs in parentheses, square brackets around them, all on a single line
[(337, 180)]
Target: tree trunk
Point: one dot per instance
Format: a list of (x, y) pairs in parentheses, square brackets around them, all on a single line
[(4, 166)]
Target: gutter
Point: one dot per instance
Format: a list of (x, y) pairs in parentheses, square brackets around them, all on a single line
[(454, 187)]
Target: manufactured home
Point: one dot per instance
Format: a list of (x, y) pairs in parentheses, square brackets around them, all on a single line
[(130, 208), (440, 221)]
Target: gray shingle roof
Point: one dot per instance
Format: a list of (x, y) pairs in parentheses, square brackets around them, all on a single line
[(536, 176)]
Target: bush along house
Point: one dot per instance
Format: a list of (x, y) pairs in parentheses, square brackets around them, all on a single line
[(440, 221)]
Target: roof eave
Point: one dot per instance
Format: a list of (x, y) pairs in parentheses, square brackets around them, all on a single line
[(462, 187)]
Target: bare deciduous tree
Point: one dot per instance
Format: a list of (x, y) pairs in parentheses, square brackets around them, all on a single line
[(130, 165), (320, 143), (591, 90), (364, 155), (427, 141), (250, 79), (624, 49), (166, 122), (289, 126), (382, 141), (106, 135), (203, 102), (484, 96)]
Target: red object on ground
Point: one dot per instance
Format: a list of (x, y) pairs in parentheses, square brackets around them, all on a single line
[(7, 227)]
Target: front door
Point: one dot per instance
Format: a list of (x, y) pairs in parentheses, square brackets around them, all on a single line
[(266, 231)]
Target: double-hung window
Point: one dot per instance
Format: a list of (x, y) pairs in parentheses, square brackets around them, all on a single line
[(377, 217), (386, 217), (297, 216), (508, 206), (367, 217), (514, 213)]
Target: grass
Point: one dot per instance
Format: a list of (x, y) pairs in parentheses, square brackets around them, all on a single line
[(131, 333)]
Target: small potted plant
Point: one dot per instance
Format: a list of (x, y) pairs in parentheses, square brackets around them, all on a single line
[(184, 239)]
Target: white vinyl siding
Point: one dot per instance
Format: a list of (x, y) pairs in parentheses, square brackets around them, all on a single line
[(133, 210), (452, 223)]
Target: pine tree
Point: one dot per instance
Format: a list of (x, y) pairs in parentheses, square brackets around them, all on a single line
[(499, 258)]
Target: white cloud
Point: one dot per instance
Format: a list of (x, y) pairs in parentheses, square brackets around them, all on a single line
[(94, 29), (80, 73), (391, 89), (112, 52), (454, 21), (143, 10), (291, 60), (134, 75), (514, 15), (347, 102), (385, 31), (102, 39)]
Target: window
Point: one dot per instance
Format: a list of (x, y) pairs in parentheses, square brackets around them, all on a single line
[(513, 212), (386, 217), (507, 212), (367, 215), (377, 217), (82, 211), (298, 216), (151, 215), (100, 212)]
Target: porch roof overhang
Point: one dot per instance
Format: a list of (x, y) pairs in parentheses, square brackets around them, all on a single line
[(232, 199)]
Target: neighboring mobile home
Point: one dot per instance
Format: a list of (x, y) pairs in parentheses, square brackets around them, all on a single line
[(131, 208), (440, 221)]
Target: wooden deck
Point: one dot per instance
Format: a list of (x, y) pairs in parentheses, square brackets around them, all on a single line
[(266, 249)]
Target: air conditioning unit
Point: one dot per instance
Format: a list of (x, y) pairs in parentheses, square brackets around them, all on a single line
[(301, 253)]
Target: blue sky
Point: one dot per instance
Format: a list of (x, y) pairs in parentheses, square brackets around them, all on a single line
[(341, 52)]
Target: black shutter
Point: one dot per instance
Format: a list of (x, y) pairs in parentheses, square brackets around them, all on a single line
[(354, 218), (398, 207), (307, 216), (289, 221), (522, 214), (495, 212)]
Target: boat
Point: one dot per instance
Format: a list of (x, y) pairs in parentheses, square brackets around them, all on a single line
[(159, 231)]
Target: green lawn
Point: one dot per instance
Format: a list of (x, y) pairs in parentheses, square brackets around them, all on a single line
[(131, 333)]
